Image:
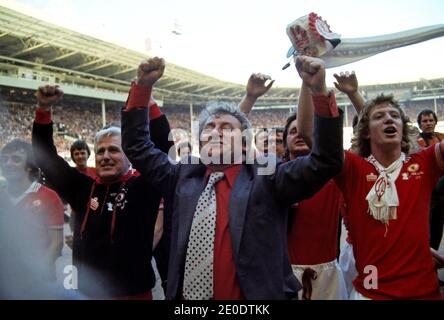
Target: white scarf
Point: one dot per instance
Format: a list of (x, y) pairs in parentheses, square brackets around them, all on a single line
[(383, 198)]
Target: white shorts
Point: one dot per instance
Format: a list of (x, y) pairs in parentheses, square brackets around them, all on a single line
[(348, 267), (329, 284), (355, 295)]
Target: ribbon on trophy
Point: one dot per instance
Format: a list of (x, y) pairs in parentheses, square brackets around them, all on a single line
[(311, 35)]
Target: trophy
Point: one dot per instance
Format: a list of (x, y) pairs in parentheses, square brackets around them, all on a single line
[(312, 36)]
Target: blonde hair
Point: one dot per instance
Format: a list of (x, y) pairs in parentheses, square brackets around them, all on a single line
[(360, 140)]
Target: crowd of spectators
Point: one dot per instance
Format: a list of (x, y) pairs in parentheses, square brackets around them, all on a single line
[(84, 121)]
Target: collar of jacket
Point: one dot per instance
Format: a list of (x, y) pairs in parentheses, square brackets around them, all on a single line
[(123, 178)]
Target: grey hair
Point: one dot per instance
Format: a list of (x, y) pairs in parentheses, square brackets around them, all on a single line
[(106, 132), (218, 108)]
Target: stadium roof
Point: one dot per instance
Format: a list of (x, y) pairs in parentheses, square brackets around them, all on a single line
[(28, 42)]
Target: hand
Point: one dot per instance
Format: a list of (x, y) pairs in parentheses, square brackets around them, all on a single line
[(437, 259), (256, 85), (47, 95), (312, 72), (150, 71), (346, 82)]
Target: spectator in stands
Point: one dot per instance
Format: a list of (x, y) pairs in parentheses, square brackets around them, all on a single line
[(39, 208), (116, 213), (249, 216)]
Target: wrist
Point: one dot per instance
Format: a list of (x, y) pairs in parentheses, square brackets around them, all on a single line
[(352, 93), (43, 115), (319, 90), (44, 107), (139, 96), (251, 97), (142, 83)]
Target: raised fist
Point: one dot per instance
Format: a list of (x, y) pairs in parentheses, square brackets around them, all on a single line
[(312, 72), (150, 71), (47, 95)]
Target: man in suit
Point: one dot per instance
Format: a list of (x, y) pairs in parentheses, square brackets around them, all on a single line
[(229, 219)]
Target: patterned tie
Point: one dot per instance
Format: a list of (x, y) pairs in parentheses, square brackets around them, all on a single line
[(198, 277)]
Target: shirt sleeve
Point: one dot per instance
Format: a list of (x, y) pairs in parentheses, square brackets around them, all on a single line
[(42, 116), (325, 106), (139, 97)]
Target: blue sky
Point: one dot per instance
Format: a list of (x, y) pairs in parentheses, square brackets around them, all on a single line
[(231, 39)]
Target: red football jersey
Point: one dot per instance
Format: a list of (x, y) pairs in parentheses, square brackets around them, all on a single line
[(401, 257)]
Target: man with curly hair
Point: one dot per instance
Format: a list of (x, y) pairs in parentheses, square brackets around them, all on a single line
[(387, 192)]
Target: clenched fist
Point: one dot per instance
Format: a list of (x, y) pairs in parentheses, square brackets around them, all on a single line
[(312, 72), (150, 71), (47, 95)]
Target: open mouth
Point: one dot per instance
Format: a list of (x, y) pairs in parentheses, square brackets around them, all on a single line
[(390, 131)]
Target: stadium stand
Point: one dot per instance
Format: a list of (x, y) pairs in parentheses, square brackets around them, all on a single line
[(95, 76)]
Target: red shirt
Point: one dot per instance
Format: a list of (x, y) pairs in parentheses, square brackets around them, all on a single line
[(225, 283), (405, 268), (43, 209), (313, 237)]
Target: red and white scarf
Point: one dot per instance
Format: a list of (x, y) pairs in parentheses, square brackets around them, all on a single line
[(383, 200)]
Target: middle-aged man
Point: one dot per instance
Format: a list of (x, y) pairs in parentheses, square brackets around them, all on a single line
[(115, 213), (229, 222)]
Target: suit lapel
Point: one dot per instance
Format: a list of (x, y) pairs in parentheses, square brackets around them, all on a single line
[(191, 188), (238, 206)]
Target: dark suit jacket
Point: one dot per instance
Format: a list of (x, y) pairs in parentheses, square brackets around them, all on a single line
[(258, 204)]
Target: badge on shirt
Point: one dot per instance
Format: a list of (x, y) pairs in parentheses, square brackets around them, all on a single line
[(371, 177), (37, 203), (121, 199), (94, 203), (110, 206), (413, 167)]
